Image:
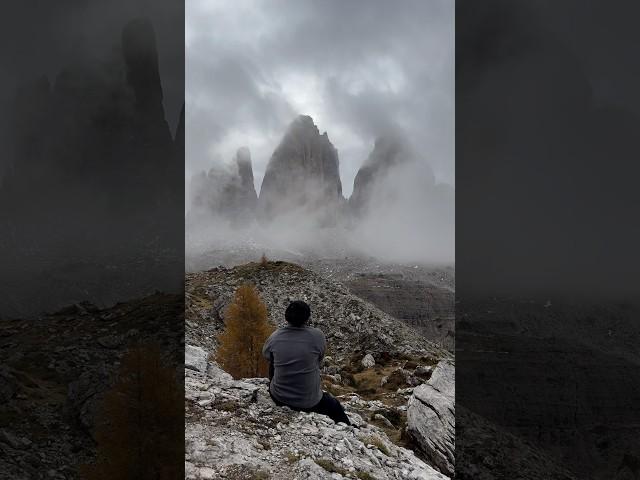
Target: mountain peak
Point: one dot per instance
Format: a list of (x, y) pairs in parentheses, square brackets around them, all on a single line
[(389, 149), (302, 173)]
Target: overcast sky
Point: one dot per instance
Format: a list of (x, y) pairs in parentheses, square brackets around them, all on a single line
[(357, 67)]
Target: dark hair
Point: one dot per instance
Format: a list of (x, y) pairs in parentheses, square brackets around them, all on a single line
[(297, 313)]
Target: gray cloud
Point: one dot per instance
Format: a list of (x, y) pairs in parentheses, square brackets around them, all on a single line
[(358, 68)]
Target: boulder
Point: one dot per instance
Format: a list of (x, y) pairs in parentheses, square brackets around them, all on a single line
[(431, 417), (368, 361), (195, 358)]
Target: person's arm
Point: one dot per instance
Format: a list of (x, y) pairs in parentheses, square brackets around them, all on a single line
[(271, 368), (266, 348), (268, 354), (323, 348)]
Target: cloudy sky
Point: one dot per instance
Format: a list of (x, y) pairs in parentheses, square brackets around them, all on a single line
[(358, 68)]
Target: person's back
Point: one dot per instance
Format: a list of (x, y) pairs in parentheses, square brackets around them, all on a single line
[(295, 353)]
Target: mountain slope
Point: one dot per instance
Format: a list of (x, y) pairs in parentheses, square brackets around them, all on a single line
[(350, 323)]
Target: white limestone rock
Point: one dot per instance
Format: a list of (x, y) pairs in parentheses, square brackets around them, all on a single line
[(431, 417), (195, 358), (368, 361)]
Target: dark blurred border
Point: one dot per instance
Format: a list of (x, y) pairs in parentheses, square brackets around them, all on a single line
[(92, 239), (547, 128)]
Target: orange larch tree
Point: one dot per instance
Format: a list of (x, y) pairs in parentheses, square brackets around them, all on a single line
[(140, 428), (246, 329)]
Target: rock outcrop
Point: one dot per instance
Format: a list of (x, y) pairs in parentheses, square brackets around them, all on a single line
[(195, 358), (302, 176), (233, 428), (431, 417), (226, 193), (397, 184), (422, 303), (388, 151)]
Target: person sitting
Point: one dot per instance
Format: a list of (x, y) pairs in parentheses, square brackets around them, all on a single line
[(295, 354)]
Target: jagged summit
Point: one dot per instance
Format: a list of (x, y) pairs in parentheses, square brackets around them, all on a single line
[(245, 170), (302, 174), (228, 192), (389, 150)]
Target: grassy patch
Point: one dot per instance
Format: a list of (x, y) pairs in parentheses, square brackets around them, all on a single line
[(376, 442), (292, 457), (227, 406), (330, 467), (368, 381), (199, 297), (365, 476), (252, 268), (244, 472)]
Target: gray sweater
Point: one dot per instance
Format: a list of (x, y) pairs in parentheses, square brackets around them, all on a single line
[(297, 355)]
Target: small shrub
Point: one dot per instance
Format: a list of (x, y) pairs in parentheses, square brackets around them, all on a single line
[(376, 442), (292, 457), (395, 380)]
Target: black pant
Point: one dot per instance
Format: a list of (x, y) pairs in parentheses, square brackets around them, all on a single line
[(328, 405)]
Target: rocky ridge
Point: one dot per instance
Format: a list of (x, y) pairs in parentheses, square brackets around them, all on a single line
[(234, 430), (421, 296), (350, 323), (373, 364)]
